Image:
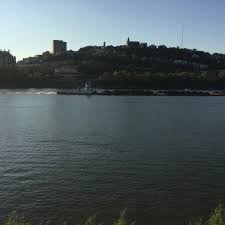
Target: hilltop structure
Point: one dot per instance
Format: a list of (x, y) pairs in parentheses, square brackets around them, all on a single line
[(6, 58), (136, 44), (59, 47)]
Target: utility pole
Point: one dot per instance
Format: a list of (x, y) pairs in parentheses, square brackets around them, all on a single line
[(182, 36)]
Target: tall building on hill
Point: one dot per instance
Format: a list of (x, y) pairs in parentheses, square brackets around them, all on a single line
[(133, 44), (7, 59), (59, 47)]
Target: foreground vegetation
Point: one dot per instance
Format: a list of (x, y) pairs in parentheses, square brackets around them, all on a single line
[(217, 217)]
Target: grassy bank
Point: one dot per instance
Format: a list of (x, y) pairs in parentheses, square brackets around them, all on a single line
[(217, 217)]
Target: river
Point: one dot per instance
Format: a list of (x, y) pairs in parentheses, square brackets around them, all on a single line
[(65, 157)]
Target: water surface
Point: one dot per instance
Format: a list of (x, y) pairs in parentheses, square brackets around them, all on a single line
[(65, 157)]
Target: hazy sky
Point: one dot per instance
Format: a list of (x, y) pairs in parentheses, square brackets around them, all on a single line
[(29, 26)]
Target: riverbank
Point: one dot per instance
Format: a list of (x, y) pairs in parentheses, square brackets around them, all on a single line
[(133, 92)]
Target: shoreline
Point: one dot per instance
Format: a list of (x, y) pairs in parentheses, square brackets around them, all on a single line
[(123, 92), (133, 92)]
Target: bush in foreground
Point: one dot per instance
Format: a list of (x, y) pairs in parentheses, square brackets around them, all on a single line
[(217, 217)]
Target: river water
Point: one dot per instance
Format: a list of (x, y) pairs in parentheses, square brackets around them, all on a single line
[(65, 157)]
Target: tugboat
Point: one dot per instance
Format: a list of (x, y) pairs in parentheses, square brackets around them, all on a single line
[(80, 91)]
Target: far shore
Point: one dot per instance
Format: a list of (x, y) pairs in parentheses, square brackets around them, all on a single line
[(123, 91), (139, 92)]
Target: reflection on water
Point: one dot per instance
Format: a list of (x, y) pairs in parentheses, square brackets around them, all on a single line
[(63, 157)]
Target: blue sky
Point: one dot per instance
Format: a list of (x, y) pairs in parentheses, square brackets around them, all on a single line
[(29, 26)]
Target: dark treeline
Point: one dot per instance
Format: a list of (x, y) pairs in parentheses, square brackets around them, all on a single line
[(126, 67), (14, 77)]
